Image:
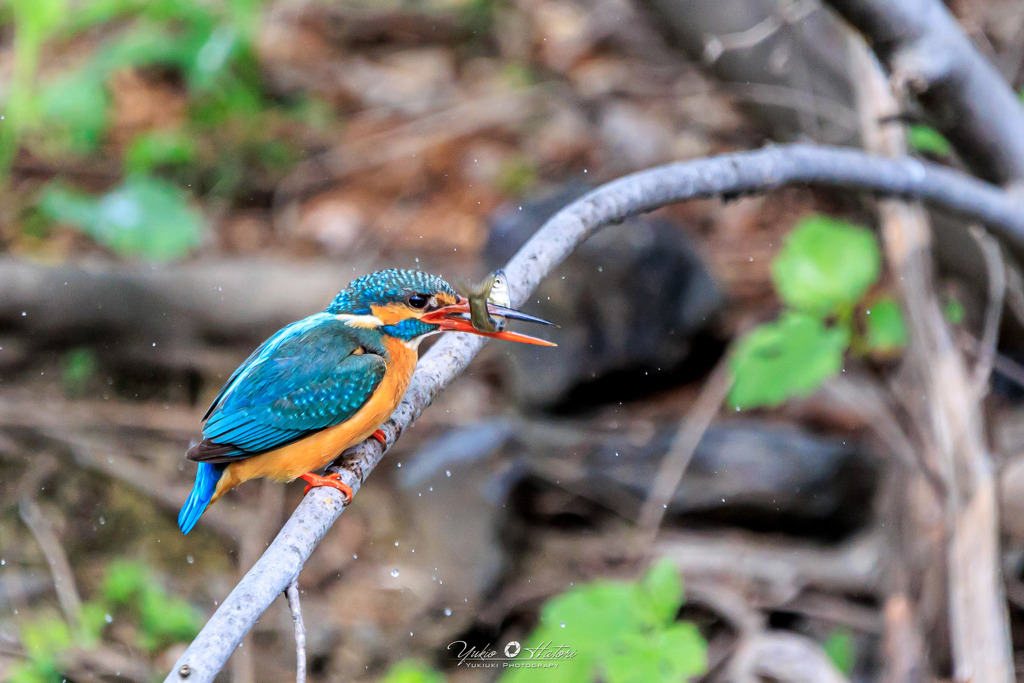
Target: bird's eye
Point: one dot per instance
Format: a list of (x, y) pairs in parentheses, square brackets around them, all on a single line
[(419, 300)]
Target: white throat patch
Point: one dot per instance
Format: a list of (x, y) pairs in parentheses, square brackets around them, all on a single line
[(368, 321)]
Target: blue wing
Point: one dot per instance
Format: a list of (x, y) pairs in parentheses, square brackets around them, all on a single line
[(312, 374)]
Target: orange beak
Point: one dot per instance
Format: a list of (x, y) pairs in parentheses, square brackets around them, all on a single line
[(456, 317)]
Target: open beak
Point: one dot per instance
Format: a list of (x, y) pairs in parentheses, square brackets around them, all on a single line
[(457, 318)]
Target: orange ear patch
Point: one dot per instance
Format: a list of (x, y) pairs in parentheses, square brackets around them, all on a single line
[(393, 313)]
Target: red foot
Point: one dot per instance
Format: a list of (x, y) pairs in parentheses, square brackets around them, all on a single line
[(379, 435), (331, 480)]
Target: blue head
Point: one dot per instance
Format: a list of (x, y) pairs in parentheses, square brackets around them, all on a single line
[(410, 304), (394, 300)]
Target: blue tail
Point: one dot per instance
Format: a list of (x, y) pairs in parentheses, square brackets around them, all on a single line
[(206, 482)]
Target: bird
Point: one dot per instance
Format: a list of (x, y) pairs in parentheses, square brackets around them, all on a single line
[(327, 382)]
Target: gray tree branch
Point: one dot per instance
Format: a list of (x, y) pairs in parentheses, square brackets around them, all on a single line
[(728, 175), (924, 48)]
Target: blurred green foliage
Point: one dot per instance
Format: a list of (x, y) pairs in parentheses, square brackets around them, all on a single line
[(517, 176), (77, 368), (44, 638), (927, 140), (826, 265), (412, 671), (144, 216), (789, 357), (954, 312), (130, 591), (885, 331), (839, 648), (822, 275), (221, 145), (621, 631)]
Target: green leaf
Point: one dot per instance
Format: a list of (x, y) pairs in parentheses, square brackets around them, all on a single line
[(927, 140), (954, 311), (144, 216), (37, 18), (77, 368), (826, 265), (159, 148), (94, 620), (125, 582), (663, 591), (588, 619), (165, 619), (790, 357), (671, 655), (145, 44), (885, 329), (162, 619), (412, 671), (839, 648), (75, 106), (606, 618), (44, 638)]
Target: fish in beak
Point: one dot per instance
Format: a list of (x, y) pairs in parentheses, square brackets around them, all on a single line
[(458, 317)]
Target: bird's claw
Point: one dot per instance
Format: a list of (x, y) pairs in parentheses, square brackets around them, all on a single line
[(331, 481), (379, 436)]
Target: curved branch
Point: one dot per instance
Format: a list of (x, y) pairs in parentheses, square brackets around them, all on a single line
[(925, 49), (728, 175)]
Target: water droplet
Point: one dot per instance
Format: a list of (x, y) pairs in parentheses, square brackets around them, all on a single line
[(24, 313), (399, 465), (102, 520), (447, 611), (396, 544), (447, 473), (2, 562), (394, 573), (190, 559), (563, 624), (355, 556), (108, 618)]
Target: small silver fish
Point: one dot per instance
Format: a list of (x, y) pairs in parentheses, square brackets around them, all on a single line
[(494, 289)]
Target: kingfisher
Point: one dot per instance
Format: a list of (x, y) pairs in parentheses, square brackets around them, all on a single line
[(327, 382)]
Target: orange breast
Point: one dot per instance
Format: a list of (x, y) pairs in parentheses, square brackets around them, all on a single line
[(318, 450)]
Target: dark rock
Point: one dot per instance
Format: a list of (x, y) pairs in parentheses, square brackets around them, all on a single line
[(633, 304), (749, 473)]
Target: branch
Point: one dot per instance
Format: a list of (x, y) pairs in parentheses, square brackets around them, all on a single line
[(295, 605), (939, 397), (728, 175), (968, 100)]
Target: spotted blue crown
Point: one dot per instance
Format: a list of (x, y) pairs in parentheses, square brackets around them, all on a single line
[(386, 286), (390, 286)]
